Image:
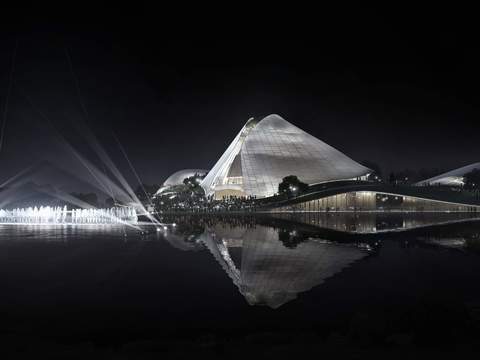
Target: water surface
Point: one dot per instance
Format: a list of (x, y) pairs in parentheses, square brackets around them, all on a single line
[(368, 279)]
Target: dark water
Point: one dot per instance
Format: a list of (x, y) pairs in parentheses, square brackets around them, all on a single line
[(342, 284)]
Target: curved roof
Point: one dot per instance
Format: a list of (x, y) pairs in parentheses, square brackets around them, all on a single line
[(273, 148), (450, 178), (178, 177)]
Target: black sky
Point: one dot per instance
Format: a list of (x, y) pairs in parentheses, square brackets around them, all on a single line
[(397, 89)]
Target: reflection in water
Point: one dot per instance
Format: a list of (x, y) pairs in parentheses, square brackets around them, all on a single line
[(187, 235), (271, 259), (266, 271), (360, 223), (453, 243), (466, 238), (133, 290), (52, 233)]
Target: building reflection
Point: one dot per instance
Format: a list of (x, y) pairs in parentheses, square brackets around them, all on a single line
[(376, 222), (270, 266), (453, 237), (271, 259)]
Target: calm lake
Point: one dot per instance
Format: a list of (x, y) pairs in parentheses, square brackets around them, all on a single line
[(218, 284)]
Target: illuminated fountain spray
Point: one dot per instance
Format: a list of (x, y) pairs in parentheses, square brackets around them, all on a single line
[(61, 215)]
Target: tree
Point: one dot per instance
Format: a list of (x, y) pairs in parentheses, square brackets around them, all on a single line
[(291, 238), (406, 176), (471, 180), (181, 196), (292, 186), (193, 181)]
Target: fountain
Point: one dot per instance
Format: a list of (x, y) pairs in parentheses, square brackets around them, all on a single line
[(61, 215)]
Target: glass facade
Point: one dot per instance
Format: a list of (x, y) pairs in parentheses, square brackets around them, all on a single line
[(376, 201)]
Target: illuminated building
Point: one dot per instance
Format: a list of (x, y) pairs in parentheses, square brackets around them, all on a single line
[(451, 178), (265, 152), (178, 177)]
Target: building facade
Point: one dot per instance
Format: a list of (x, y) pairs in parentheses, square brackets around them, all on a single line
[(265, 152), (359, 201)]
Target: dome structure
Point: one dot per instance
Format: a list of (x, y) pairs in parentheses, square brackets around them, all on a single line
[(450, 178), (177, 178), (265, 152)]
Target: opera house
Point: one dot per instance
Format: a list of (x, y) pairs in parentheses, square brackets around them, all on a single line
[(264, 152)]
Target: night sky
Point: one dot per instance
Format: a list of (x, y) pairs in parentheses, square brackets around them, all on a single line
[(175, 88)]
